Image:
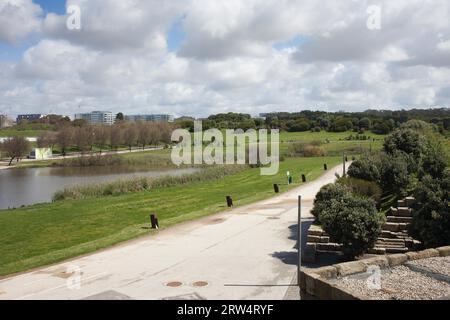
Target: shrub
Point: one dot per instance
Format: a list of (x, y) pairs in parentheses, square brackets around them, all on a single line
[(394, 175), (362, 188), (406, 140), (306, 150), (324, 197), (354, 222), (431, 219), (366, 169), (435, 159)]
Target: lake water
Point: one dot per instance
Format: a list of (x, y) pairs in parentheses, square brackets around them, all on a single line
[(36, 185)]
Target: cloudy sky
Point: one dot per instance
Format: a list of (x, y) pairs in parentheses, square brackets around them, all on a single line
[(197, 57)]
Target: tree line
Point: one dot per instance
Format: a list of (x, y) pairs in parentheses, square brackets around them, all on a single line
[(89, 138), (379, 122)]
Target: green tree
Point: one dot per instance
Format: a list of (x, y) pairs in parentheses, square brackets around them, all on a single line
[(431, 219), (366, 168), (406, 140), (120, 117), (354, 222), (325, 196)]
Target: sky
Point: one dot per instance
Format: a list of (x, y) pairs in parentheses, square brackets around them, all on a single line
[(200, 57)]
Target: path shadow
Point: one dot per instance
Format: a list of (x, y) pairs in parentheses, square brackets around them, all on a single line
[(291, 257)]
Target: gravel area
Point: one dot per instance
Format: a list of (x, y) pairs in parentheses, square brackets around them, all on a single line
[(399, 283), (437, 265)]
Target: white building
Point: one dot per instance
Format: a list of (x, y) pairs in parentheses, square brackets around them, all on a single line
[(5, 122), (97, 117), (150, 117)]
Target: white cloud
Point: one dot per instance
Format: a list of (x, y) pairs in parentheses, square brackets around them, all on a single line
[(18, 18), (120, 61)]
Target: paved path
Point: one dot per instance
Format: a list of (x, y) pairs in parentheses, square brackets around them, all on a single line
[(244, 253), (4, 164)]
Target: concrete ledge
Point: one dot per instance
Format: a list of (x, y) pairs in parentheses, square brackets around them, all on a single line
[(348, 268), (381, 261), (444, 251), (318, 282), (397, 259), (424, 254)]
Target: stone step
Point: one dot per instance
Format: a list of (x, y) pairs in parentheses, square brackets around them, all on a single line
[(377, 250), (395, 227), (403, 212), (388, 240), (399, 219), (410, 201), (396, 250), (401, 203), (318, 239), (315, 231), (394, 235)]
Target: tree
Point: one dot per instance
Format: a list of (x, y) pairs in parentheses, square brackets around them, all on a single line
[(435, 159), (327, 194), (130, 135), (394, 176), (46, 140), (101, 135), (406, 140), (299, 125), (354, 222), (15, 147), (364, 123), (64, 138), (431, 219), (120, 117), (115, 136), (366, 168), (82, 138), (144, 134)]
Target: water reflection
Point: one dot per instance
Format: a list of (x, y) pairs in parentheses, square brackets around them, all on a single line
[(35, 185)]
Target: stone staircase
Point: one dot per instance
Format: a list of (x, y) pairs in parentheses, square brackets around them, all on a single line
[(394, 237)]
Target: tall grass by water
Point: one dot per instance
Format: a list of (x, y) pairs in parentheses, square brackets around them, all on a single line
[(145, 183)]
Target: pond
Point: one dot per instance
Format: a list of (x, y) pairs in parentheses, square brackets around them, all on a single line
[(37, 185)]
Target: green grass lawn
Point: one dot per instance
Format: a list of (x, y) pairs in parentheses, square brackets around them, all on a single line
[(20, 133), (47, 233)]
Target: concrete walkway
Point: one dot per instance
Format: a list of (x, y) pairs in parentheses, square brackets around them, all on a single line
[(4, 163), (244, 253)]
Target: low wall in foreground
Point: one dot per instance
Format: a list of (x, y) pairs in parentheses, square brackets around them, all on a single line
[(319, 282)]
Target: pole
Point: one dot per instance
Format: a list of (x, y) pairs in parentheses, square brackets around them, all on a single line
[(343, 161), (299, 240)]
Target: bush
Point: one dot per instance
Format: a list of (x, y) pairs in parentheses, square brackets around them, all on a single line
[(366, 169), (406, 140), (354, 222), (324, 197), (394, 176), (363, 188), (307, 150), (431, 219)]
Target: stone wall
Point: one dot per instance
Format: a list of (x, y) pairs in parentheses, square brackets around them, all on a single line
[(318, 282)]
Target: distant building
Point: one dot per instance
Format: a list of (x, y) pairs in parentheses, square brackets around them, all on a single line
[(41, 154), (97, 117), (5, 122), (150, 117), (28, 117)]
